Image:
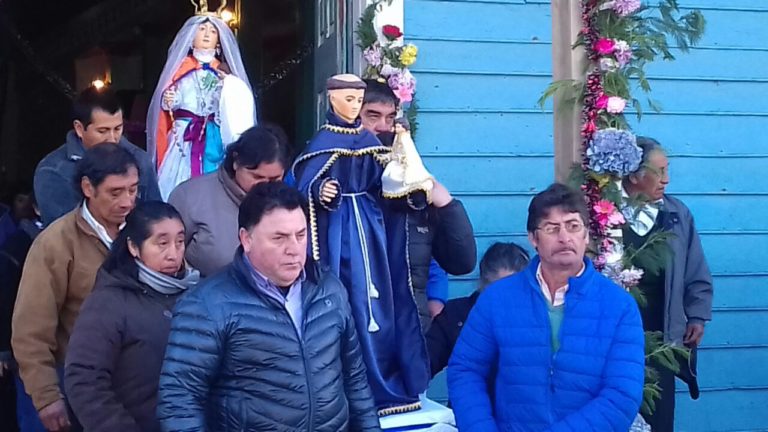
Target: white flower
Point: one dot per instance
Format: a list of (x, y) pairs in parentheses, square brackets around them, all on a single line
[(388, 70), (616, 105), (622, 51), (631, 277), (620, 45), (608, 64), (373, 55)]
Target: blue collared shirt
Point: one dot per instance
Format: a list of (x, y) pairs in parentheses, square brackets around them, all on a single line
[(292, 301)]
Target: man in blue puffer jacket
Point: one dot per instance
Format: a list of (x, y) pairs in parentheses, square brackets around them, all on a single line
[(266, 345), (567, 342)]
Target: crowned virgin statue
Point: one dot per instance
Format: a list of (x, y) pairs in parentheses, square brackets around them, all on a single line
[(202, 103)]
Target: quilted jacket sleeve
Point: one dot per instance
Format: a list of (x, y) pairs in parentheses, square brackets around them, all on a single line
[(469, 368), (617, 404), (191, 362)]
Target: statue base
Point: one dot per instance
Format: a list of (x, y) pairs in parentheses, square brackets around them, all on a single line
[(432, 417)]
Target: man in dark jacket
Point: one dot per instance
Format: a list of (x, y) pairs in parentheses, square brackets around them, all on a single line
[(13, 254), (679, 296), (266, 344), (98, 118), (499, 261), (442, 230)]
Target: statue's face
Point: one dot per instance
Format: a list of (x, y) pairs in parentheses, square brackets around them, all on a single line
[(206, 37), (346, 103)]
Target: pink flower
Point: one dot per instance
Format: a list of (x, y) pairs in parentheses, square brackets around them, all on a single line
[(626, 7), (404, 94), (604, 207), (616, 105), (602, 102), (589, 128), (607, 244), (403, 84), (604, 46), (607, 214), (616, 218)]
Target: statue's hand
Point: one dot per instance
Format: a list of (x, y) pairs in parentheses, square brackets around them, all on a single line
[(169, 97), (329, 191)]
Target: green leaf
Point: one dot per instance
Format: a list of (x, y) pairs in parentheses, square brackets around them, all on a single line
[(366, 33), (410, 114), (652, 256), (576, 177), (638, 108), (639, 297), (567, 91), (655, 105)]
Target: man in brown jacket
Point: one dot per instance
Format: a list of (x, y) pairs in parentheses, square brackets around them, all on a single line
[(60, 271)]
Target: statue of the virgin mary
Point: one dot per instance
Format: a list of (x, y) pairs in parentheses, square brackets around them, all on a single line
[(202, 103)]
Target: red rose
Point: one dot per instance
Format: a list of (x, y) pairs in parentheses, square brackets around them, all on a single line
[(391, 32)]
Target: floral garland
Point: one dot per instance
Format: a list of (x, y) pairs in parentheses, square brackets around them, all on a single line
[(389, 62), (620, 37), (619, 41)]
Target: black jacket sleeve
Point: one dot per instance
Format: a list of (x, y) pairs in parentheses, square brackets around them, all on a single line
[(12, 257), (439, 343), (10, 274), (454, 245)]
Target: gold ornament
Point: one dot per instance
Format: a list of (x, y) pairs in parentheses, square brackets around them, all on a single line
[(201, 8)]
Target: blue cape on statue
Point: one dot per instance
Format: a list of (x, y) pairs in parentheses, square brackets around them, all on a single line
[(363, 240)]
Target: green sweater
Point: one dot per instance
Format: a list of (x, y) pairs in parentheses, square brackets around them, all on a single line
[(555, 320)]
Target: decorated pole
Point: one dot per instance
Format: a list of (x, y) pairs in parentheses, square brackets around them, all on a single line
[(619, 38)]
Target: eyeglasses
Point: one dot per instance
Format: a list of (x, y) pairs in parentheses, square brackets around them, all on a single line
[(572, 227)]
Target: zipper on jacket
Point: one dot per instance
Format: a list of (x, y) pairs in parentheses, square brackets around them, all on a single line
[(306, 367), (552, 373), (552, 355)]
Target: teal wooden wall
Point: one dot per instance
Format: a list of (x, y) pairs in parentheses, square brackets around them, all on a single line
[(483, 65), (713, 124)]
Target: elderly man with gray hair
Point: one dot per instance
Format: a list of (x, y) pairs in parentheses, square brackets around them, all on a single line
[(679, 296)]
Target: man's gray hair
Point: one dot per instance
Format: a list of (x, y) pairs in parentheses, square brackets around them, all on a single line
[(648, 145)]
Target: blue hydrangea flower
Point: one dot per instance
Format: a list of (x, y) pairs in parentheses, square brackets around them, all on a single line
[(614, 151)]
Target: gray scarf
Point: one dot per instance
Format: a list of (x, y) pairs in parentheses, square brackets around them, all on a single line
[(165, 284)]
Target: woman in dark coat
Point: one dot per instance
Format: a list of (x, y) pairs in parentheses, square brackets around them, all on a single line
[(499, 261), (118, 343)]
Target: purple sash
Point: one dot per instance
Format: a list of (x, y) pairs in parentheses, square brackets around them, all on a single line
[(195, 133)]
